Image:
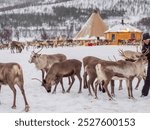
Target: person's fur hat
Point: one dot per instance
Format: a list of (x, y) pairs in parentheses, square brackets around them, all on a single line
[(146, 36)]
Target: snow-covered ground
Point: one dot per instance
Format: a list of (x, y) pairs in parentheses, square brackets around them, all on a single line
[(42, 102)]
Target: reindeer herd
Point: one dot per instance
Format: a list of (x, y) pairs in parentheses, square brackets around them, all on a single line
[(98, 73)]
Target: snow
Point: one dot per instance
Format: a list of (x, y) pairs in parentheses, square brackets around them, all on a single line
[(123, 28), (42, 102)]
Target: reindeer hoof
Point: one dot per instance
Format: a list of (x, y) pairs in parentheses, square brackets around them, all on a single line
[(13, 107), (85, 87), (110, 99), (68, 91), (90, 94), (63, 92), (131, 98), (26, 108), (96, 98), (80, 92), (120, 88), (113, 95), (54, 92)]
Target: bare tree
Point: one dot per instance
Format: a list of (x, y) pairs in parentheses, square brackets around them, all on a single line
[(44, 35)]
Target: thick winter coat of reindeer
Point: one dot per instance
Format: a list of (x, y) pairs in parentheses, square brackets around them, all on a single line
[(44, 62), (59, 70), (89, 63), (106, 71), (11, 74), (132, 56)]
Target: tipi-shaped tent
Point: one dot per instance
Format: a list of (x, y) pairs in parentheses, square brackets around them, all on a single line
[(123, 33), (94, 28)]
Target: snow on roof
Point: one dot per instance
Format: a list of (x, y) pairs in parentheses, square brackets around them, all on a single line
[(123, 28)]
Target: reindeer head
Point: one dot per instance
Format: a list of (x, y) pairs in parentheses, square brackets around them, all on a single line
[(49, 81), (130, 55), (34, 56)]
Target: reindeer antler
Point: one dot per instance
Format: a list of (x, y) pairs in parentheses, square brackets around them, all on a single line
[(122, 54), (115, 58), (39, 50), (37, 79)]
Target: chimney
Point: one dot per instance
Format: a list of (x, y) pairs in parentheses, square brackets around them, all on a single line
[(122, 22)]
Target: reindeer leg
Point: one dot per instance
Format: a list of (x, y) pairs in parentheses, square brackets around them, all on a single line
[(42, 75), (90, 83), (131, 90), (106, 89), (80, 80), (85, 80), (129, 85), (139, 80), (69, 80), (73, 79), (120, 85), (96, 85), (24, 96), (14, 93), (112, 87), (54, 91), (61, 82)]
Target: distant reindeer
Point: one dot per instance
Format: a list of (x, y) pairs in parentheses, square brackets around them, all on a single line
[(15, 45), (11, 74)]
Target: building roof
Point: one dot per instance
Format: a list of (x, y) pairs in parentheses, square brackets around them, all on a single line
[(123, 28)]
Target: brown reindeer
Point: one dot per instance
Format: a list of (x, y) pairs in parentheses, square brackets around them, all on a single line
[(107, 71), (89, 63), (15, 45), (44, 62), (59, 70), (11, 74)]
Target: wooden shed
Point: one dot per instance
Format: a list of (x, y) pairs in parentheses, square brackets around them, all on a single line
[(123, 34)]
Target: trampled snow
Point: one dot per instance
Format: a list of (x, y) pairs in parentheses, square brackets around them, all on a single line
[(42, 102)]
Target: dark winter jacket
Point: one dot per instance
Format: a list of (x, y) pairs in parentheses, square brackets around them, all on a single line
[(144, 49)]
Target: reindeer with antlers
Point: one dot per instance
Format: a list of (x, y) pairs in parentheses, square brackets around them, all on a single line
[(44, 62), (132, 56), (107, 71)]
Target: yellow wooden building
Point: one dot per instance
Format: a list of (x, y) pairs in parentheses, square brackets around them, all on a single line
[(123, 34)]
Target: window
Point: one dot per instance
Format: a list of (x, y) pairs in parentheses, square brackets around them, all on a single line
[(113, 37), (132, 35)]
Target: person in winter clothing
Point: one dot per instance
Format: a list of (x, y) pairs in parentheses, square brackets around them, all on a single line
[(146, 46)]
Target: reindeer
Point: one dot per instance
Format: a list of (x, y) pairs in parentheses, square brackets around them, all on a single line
[(59, 70), (86, 61), (109, 70), (89, 63), (11, 74), (44, 62), (132, 56), (15, 45)]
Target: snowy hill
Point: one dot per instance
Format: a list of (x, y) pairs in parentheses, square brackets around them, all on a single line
[(68, 14), (132, 7)]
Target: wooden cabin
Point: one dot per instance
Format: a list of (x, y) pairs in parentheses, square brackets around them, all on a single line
[(123, 34)]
